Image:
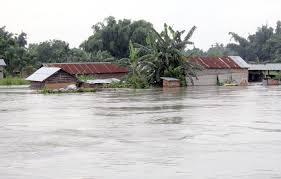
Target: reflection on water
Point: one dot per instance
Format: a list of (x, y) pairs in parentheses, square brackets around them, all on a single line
[(199, 132)]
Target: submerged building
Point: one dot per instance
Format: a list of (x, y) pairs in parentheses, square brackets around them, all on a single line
[(51, 78), (220, 70), (258, 72), (2, 65), (94, 69)]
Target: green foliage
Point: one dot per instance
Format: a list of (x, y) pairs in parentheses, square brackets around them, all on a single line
[(56, 51), (113, 36), (120, 84), (263, 46), (13, 81), (178, 73), (13, 51), (137, 81), (194, 52), (165, 55), (219, 50)]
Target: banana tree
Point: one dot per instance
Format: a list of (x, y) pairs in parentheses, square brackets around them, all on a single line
[(164, 55)]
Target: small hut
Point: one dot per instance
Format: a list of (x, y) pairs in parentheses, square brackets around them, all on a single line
[(170, 82), (2, 65), (51, 78)]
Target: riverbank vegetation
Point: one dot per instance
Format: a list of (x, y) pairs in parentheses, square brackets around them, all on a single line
[(13, 81), (136, 44)]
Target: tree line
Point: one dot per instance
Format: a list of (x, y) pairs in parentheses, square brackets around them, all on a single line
[(115, 40), (264, 46)]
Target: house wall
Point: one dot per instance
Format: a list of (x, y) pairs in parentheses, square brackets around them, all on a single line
[(270, 82), (1, 72), (210, 77), (60, 80), (171, 84), (36, 85), (57, 85)]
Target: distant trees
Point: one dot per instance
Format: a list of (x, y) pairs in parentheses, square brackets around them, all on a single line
[(13, 50), (113, 36), (55, 51), (220, 50), (110, 42), (194, 52), (263, 46), (49, 52)]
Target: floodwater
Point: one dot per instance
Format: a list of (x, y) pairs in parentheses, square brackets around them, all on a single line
[(200, 133)]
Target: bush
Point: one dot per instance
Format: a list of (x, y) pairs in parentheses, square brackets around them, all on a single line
[(120, 84), (137, 82), (13, 81), (130, 82)]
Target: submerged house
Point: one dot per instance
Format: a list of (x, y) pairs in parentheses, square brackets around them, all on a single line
[(259, 72), (169, 82), (2, 65), (95, 69), (51, 78), (220, 70)]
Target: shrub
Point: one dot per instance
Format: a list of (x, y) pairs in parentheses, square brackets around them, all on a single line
[(136, 81)]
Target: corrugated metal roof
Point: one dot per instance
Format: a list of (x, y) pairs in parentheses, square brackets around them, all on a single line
[(242, 63), (42, 74), (169, 79), (89, 68), (265, 67), (2, 62), (215, 62)]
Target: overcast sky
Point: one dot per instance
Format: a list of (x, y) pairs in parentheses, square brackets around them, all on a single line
[(71, 20)]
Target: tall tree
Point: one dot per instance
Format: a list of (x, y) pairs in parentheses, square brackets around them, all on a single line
[(12, 49), (263, 46), (113, 36)]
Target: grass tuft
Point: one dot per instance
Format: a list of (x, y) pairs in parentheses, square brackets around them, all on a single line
[(13, 81)]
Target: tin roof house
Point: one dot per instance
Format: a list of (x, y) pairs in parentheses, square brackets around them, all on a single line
[(220, 70), (259, 72), (2, 65), (51, 78), (95, 69)]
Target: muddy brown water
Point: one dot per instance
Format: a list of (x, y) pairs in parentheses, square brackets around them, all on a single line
[(200, 133)]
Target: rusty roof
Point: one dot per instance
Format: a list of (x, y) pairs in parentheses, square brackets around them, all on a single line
[(89, 68), (215, 62)]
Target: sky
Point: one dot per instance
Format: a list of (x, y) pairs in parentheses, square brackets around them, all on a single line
[(71, 20)]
